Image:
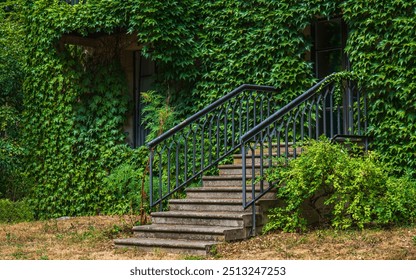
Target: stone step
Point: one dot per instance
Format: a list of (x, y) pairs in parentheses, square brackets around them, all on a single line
[(207, 205), (226, 219), (267, 161), (191, 232), (237, 170), (219, 205), (227, 181), (282, 148), (191, 247), (224, 193)]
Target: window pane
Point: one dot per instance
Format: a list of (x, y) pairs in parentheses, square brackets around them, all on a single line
[(328, 34), (328, 62)]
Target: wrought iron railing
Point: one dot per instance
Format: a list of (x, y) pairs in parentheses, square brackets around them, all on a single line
[(185, 152), (246, 120), (334, 107)]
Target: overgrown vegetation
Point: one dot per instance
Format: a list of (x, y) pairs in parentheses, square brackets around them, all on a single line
[(340, 189), (15, 212), (65, 130), (12, 179), (381, 49)]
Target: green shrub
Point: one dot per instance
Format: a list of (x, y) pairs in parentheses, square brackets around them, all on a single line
[(122, 190), (342, 189), (14, 212)]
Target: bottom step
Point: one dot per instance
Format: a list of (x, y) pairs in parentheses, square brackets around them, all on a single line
[(191, 232), (191, 247)]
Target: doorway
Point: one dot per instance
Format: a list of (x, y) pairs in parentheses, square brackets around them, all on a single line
[(144, 71)]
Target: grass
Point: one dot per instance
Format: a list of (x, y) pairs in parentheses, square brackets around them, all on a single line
[(86, 238)]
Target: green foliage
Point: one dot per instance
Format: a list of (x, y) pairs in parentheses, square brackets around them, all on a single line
[(381, 49), (12, 181), (15, 212), (75, 101), (260, 42), (342, 189), (158, 114), (121, 191)]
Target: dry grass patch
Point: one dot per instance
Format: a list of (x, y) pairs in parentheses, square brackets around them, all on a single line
[(91, 238), (375, 244), (81, 238)]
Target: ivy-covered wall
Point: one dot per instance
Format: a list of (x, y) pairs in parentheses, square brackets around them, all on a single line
[(75, 96), (75, 105), (11, 98), (382, 50)]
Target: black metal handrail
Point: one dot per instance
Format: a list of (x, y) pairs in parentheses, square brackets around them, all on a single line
[(332, 107), (199, 143)]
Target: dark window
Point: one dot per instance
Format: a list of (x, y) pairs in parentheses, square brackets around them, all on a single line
[(329, 37)]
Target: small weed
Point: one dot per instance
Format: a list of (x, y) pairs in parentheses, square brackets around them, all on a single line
[(286, 253), (371, 240), (302, 240), (116, 231), (8, 237), (158, 252), (193, 258), (50, 227), (19, 255), (214, 252), (11, 238), (414, 240), (44, 258)]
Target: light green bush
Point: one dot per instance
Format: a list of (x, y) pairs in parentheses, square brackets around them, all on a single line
[(343, 189)]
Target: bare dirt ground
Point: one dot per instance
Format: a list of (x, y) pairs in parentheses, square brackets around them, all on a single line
[(91, 238)]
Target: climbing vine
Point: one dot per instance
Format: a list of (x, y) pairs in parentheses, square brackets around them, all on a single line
[(11, 99), (75, 97), (75, 107), (382, 50)]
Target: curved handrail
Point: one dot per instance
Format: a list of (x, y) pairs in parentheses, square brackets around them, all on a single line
[(186, 151), (285, 109), (334, 106), (206, 110)]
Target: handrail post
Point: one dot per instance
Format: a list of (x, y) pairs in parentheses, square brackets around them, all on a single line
[(253, 219), (151, 156), (244, 168)]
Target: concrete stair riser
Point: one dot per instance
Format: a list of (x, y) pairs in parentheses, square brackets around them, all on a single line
[(215, 205), (162, 249), (236, 170), (180, 235), (207, 233), (238, 160), (199, 248), (206, 207), (199, 221), (223, 219), (205, 193), (266, 151), (228, 181)]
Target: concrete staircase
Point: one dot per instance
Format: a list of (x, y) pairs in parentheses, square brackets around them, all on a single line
[(207, 216)]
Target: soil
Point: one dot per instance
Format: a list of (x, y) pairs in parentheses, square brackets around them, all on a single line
[(91, 238)]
